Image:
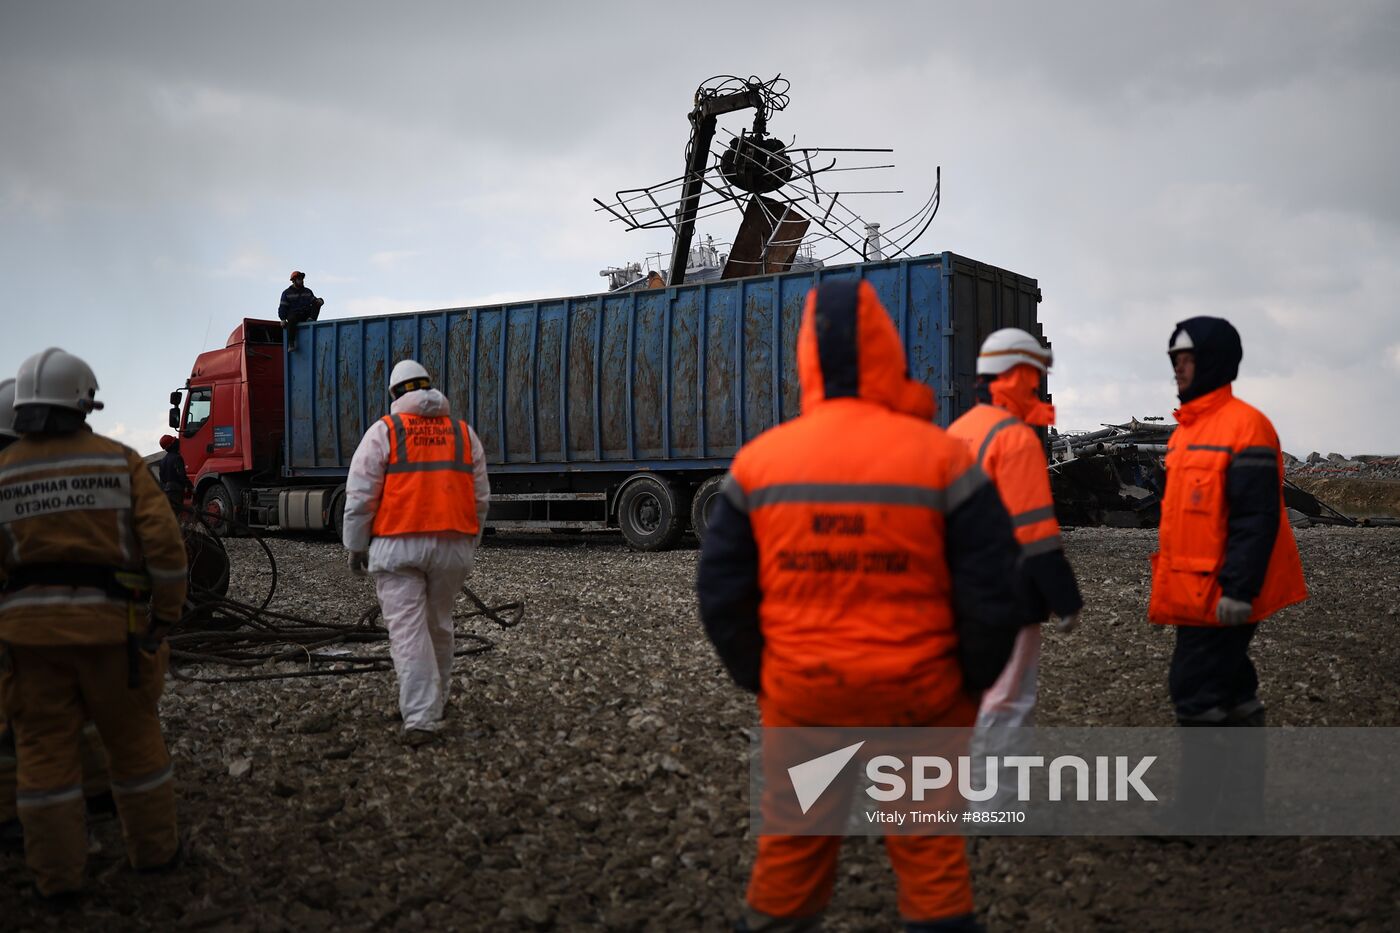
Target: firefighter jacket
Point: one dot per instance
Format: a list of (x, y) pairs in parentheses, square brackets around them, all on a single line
[(81, 522), (1224, 529), (855, 567), (1013, 457), (417, 471)]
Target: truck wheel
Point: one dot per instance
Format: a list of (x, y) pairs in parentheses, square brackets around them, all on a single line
[(648, 514), (338, 516), (216, 507), (700, 505)]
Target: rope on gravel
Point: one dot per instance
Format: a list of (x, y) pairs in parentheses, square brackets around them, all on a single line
[(219, 630)]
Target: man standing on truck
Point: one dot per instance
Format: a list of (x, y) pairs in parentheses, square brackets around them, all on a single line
[(999, 433), (1227, 558), (855, 573), (298, 304), (415, 505), (94, 576)]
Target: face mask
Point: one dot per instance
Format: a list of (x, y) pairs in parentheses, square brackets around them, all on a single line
[(1018, 392)]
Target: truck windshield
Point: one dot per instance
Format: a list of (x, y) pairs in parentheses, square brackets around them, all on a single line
[(200, 401)]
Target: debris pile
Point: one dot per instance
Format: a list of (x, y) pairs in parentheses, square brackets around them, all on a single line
[(1113, 476)]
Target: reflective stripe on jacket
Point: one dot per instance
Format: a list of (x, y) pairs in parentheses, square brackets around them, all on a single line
[(428, 485), (1224, 528), (81, 499)]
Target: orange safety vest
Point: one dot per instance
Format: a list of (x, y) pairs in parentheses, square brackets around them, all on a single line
[(428, 481), (1011, 455), (1214, 431)]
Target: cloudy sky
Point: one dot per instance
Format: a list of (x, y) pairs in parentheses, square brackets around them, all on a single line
[(165, 165)]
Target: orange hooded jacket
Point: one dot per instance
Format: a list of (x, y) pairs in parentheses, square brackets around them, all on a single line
[(1219, 439), (857, 554)]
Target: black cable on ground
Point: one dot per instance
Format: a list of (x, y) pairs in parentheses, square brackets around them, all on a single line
[(217, 629)]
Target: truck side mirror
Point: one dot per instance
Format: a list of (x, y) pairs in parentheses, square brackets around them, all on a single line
[(175, 399), (175, 418)]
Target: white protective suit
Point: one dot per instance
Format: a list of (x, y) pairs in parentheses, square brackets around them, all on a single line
[(417, 577)]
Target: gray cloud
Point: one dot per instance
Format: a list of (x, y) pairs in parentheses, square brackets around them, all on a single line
[(165, 164)]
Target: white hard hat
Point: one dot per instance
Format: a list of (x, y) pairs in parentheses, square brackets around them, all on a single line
[(407, 376), (1009, 347), (7, 408), (56, 378), (1182, 341)]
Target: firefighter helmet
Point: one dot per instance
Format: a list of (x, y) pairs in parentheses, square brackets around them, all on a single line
[(1010, 347), (7, 408), (56, 378)]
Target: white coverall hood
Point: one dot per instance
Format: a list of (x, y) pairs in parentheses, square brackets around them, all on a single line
[(430, 403)]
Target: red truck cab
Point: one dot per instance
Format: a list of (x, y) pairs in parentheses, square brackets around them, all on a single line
[(231, 425)]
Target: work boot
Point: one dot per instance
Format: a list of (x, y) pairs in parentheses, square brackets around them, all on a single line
[(59, 901), (1196, 803), (175, 862), (417, 738), (1242, 797)]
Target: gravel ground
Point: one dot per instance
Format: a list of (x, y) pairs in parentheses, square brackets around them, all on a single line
[(593, 772)]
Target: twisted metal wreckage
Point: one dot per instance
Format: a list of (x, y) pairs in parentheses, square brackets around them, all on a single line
[(1115, 476)]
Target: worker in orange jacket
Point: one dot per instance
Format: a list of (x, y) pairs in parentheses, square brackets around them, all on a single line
[(999, 432), (1227, 557), (94, 576), (854, 574)]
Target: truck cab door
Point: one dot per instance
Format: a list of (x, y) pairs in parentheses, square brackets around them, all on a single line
[(197, 434)]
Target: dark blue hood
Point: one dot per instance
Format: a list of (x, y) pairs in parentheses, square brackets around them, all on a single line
[(1216, 344)]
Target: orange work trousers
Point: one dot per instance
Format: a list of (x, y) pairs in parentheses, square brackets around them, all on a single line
[(793, 876), (48, 693)]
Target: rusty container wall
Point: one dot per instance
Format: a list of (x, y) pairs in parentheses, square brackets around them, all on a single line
[(675, 378)]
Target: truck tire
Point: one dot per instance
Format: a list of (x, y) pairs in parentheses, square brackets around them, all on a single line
[(337, 516), (700, 505), (215, 505), (649, 514)]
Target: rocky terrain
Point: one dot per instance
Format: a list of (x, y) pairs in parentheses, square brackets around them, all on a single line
[(1364, 466), (593, 775)]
